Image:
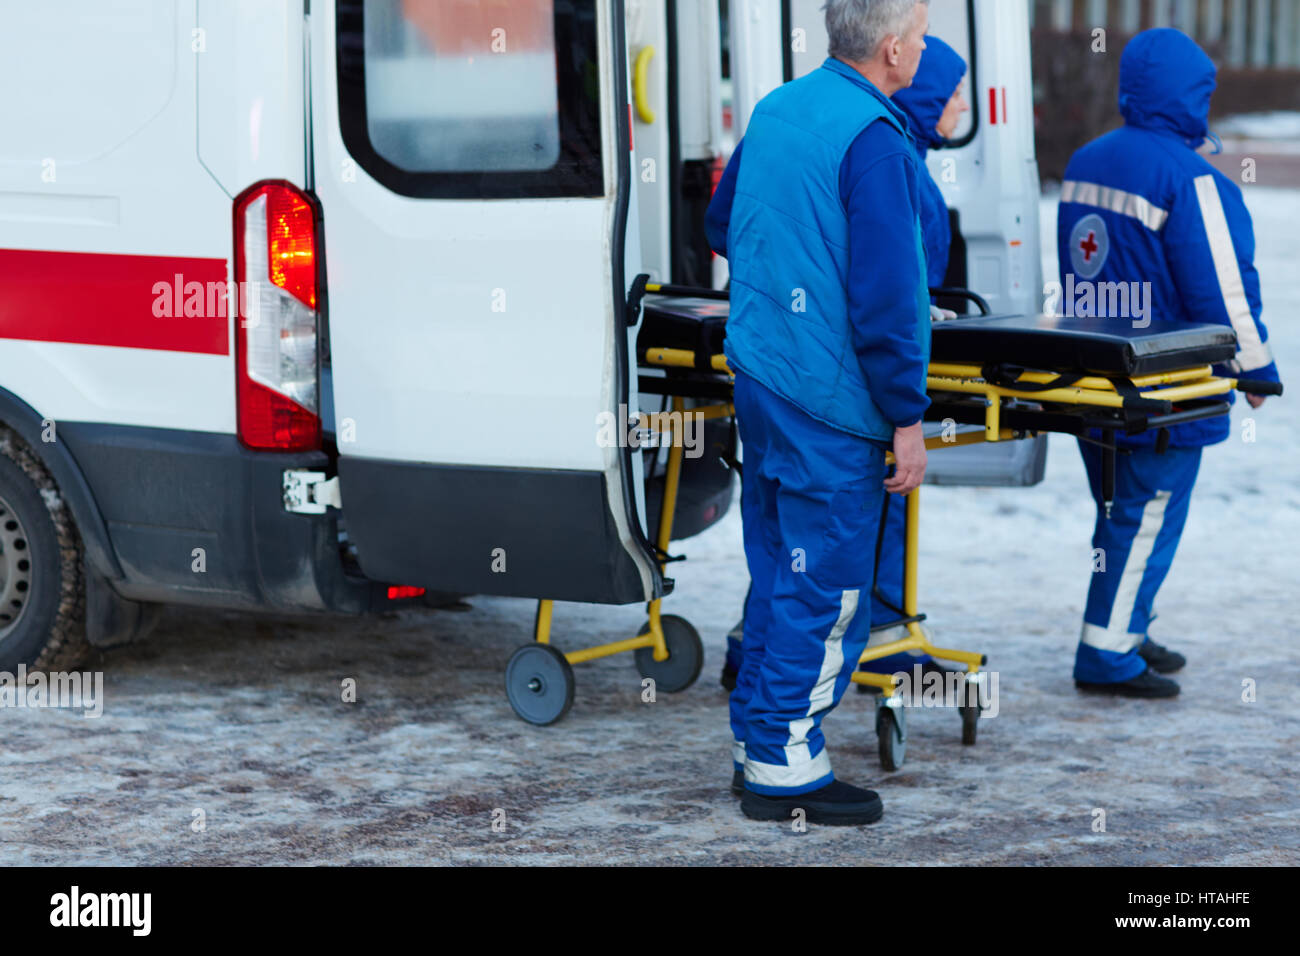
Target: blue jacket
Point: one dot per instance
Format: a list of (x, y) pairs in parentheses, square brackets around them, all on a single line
[(1139, 205), (829, 309), (936, 79)]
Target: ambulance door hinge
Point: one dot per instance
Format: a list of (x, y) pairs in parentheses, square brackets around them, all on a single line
[(310, 493), (632, 310)]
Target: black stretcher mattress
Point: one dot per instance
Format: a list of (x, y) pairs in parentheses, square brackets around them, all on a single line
[(683, 323), (1074, 344), (1055, 343)]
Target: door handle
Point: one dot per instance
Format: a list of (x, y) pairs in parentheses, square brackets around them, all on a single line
[(640, 82)]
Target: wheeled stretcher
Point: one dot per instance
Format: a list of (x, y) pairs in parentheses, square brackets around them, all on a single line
[(1011, 376)]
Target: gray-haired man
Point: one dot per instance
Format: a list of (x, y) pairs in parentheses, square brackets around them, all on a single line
[(829, 339)]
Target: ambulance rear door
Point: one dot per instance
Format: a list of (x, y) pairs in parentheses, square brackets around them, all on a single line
[(471, 160)]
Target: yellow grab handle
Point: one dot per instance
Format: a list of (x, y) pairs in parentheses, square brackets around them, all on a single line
[(641, 80)]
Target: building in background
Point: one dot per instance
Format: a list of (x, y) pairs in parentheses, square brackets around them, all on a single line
[(1077, 43)]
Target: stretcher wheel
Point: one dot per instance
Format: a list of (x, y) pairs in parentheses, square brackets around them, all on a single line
[(970, 711), (970, 715), (685, 655), (891, 732), (539, 684)]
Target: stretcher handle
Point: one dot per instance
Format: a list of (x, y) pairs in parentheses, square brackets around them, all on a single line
[(1194, 411), (967, 294), (1256, 387)]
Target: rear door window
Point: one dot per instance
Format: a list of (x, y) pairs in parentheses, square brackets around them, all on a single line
[(472, 98)]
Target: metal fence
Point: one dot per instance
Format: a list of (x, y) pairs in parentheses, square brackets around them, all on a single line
[(1259, 34)]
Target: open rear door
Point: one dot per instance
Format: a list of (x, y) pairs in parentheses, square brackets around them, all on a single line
[(471, 159)]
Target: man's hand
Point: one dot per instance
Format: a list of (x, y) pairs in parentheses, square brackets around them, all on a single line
[(941, 315), (909, 460), (1255, 400)]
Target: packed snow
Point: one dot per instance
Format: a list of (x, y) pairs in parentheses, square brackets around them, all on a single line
[(224, 738)]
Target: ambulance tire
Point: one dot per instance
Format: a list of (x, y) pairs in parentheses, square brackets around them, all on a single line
[(43, 620), (685, 655)]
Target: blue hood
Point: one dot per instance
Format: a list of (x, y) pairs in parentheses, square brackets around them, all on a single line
[(1165, 83), (936, 79)]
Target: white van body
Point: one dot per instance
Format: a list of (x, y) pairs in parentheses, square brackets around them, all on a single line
[(466, 322)]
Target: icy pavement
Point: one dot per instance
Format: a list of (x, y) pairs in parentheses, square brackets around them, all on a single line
[(236, 722)]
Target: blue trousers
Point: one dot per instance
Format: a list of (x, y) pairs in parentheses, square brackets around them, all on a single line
[(1132, 552), (889, 581), (810, 507)]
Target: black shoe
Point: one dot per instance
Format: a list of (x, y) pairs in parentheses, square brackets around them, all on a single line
[(836, 804), (737, 783), (1146, 684), (1160, 658)]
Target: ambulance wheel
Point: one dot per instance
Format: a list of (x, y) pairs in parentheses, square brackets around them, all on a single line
[(685, 655), (970, 715), (42, 579), (539, 684), (892, 736)]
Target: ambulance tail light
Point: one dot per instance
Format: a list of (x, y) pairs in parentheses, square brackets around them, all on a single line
[(276, 270)]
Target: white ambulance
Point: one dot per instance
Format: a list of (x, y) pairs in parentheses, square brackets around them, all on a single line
[(311, 305)]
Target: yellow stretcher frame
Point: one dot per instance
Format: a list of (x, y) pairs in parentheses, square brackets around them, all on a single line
[(654, 638), (1171, 386), (1178, 386)]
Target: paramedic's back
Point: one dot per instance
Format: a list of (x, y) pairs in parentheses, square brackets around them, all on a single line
[(1139, 205)]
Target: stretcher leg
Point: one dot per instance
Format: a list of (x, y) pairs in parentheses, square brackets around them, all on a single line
[(667, 649), (891, 724), (675, 653)]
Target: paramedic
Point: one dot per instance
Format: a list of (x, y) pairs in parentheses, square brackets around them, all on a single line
[(829, 339), (1140, 205)]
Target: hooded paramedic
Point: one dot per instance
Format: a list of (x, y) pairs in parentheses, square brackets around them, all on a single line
[(828, 338), (1139, 205)]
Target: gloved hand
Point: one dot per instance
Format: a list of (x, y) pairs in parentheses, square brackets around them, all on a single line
[(939, 315)]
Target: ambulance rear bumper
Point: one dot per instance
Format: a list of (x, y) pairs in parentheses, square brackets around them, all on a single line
[(195, 518)]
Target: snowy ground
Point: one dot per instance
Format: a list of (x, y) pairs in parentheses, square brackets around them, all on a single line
[(241, 718)]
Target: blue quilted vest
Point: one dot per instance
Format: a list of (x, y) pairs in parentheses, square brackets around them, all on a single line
[(788, 242)]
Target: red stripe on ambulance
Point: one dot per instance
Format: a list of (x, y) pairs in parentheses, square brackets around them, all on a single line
[(993, 106), (172, 303)]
